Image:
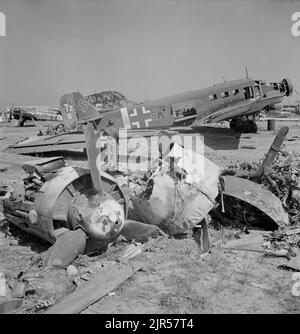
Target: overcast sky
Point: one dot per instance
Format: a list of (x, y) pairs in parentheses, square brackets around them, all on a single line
[(143, 48)]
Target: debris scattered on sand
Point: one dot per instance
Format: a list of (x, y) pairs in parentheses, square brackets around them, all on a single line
[(132, 251), (248, 147), (61, 128), (280, 242)]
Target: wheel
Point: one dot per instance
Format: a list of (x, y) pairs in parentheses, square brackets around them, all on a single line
[(244, 126), (249, 126), (288, 87)]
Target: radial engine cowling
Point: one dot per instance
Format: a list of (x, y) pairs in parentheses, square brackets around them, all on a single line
[(287, 86)]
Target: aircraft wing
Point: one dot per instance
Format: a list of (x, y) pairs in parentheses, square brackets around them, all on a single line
[(68, 141), (244, 108)]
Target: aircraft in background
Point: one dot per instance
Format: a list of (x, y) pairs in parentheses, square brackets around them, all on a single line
[(103, 101), (35, 113), (232, 101)]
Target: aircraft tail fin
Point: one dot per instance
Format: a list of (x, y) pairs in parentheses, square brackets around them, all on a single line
[(74, 107)]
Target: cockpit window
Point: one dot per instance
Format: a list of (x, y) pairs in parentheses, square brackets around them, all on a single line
[(248, 92)]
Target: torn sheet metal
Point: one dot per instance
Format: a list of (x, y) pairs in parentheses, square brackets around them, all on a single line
[(255, 195), (201, 171)]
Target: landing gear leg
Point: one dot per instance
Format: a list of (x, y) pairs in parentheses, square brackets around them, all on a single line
[(21, 121), (233, 125)]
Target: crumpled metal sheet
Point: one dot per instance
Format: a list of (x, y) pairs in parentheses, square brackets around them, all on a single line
[(257, 196)]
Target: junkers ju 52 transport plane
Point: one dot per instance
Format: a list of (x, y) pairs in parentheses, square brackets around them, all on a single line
[(233, 101)]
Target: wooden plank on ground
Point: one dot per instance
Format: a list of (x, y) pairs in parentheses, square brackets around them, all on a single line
[(9, 305), (106, 280)]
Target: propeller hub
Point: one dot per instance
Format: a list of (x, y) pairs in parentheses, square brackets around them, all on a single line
[(106, 221), (101, 219)]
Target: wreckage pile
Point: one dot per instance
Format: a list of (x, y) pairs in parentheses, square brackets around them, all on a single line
[(84, 211), (108, 100), (61, 128), (172, 196), (175, 195), (73, 128), (282, 243)]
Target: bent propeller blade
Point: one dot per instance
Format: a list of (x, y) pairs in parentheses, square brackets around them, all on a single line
[(93, 151)]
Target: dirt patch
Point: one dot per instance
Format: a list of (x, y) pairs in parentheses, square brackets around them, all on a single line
[(225, 281)]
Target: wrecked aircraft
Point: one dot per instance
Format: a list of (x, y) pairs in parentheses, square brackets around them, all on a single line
[(108, 100), (232, 101), (83, 210), (23, 114)]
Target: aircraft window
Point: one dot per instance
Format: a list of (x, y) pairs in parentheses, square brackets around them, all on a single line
[(224, 94), (212, 97), (235, 91), (248, 92)]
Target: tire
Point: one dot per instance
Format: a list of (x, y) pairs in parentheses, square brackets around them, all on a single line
[(249, 126)]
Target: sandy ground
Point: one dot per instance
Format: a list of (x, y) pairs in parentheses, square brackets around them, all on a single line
[(225, 281)]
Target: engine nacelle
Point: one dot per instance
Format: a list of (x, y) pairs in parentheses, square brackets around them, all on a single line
[(288, 87)]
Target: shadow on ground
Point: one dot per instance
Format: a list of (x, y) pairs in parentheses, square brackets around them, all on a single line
[(217, 138)]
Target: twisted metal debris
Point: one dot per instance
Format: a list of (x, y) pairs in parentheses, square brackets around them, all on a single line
[(281, 180)]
